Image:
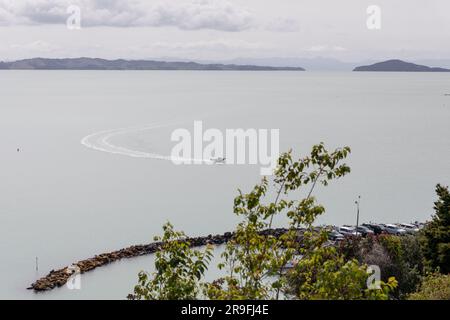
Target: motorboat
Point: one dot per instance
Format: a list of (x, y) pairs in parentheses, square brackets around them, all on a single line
[(219, 160)]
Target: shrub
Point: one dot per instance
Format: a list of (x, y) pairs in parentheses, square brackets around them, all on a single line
[(396, 256), (434, 287)]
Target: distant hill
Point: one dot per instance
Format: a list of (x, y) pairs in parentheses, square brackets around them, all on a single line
[(102, 64), (399, 66), (310, 64)]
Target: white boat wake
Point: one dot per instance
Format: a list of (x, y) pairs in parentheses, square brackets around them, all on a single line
[(100, 141)]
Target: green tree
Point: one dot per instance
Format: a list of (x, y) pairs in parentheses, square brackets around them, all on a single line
[(179, 270), (436, 234), (254, 260)]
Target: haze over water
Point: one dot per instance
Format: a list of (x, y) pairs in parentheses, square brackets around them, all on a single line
[(63, 202)]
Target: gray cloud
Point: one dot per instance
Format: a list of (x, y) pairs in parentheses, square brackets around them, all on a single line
[(35, 27), (219, 15)]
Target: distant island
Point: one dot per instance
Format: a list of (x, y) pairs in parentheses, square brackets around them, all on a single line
[(399, 66), (121, 64)]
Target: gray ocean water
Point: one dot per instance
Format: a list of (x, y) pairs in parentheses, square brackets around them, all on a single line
[(62, 202)]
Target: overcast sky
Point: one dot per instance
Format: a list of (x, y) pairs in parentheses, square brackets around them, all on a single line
[(225, 29)]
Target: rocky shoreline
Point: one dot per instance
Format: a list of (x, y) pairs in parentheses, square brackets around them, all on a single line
[(58, 278)]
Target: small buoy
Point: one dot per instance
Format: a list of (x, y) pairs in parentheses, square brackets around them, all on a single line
[(18, 150)]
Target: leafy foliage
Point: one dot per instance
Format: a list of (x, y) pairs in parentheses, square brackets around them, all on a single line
[(256, 262), (434, 287), (179, 270), (326, 274), (396, 256)]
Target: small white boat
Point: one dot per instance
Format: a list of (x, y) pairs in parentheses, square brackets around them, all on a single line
[(219, 160)]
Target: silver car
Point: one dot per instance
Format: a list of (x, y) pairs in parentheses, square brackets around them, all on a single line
[(395, 230), (348, 231), (409, 228), (333, 235)]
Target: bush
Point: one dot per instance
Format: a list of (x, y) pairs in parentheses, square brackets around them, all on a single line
[(434, 287), (328, 275), (398, 257)]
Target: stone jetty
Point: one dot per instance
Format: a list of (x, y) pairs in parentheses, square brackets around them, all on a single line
[(58, 278)]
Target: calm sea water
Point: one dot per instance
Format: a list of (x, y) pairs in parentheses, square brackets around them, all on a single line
[(61, 201)]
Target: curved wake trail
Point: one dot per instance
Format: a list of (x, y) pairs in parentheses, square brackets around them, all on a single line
[(100, 141)]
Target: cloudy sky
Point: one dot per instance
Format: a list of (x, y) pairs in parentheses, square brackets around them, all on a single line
[(225, 29)]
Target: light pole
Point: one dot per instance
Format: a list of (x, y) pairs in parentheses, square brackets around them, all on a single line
[(357, 213)]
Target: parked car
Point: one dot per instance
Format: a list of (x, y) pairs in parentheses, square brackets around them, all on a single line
[(395, 230), (376, 228), (364, 230), (410, 228), (348, 231), (335, 236)]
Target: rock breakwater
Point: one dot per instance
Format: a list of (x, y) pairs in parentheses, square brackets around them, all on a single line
[(58, 278)]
